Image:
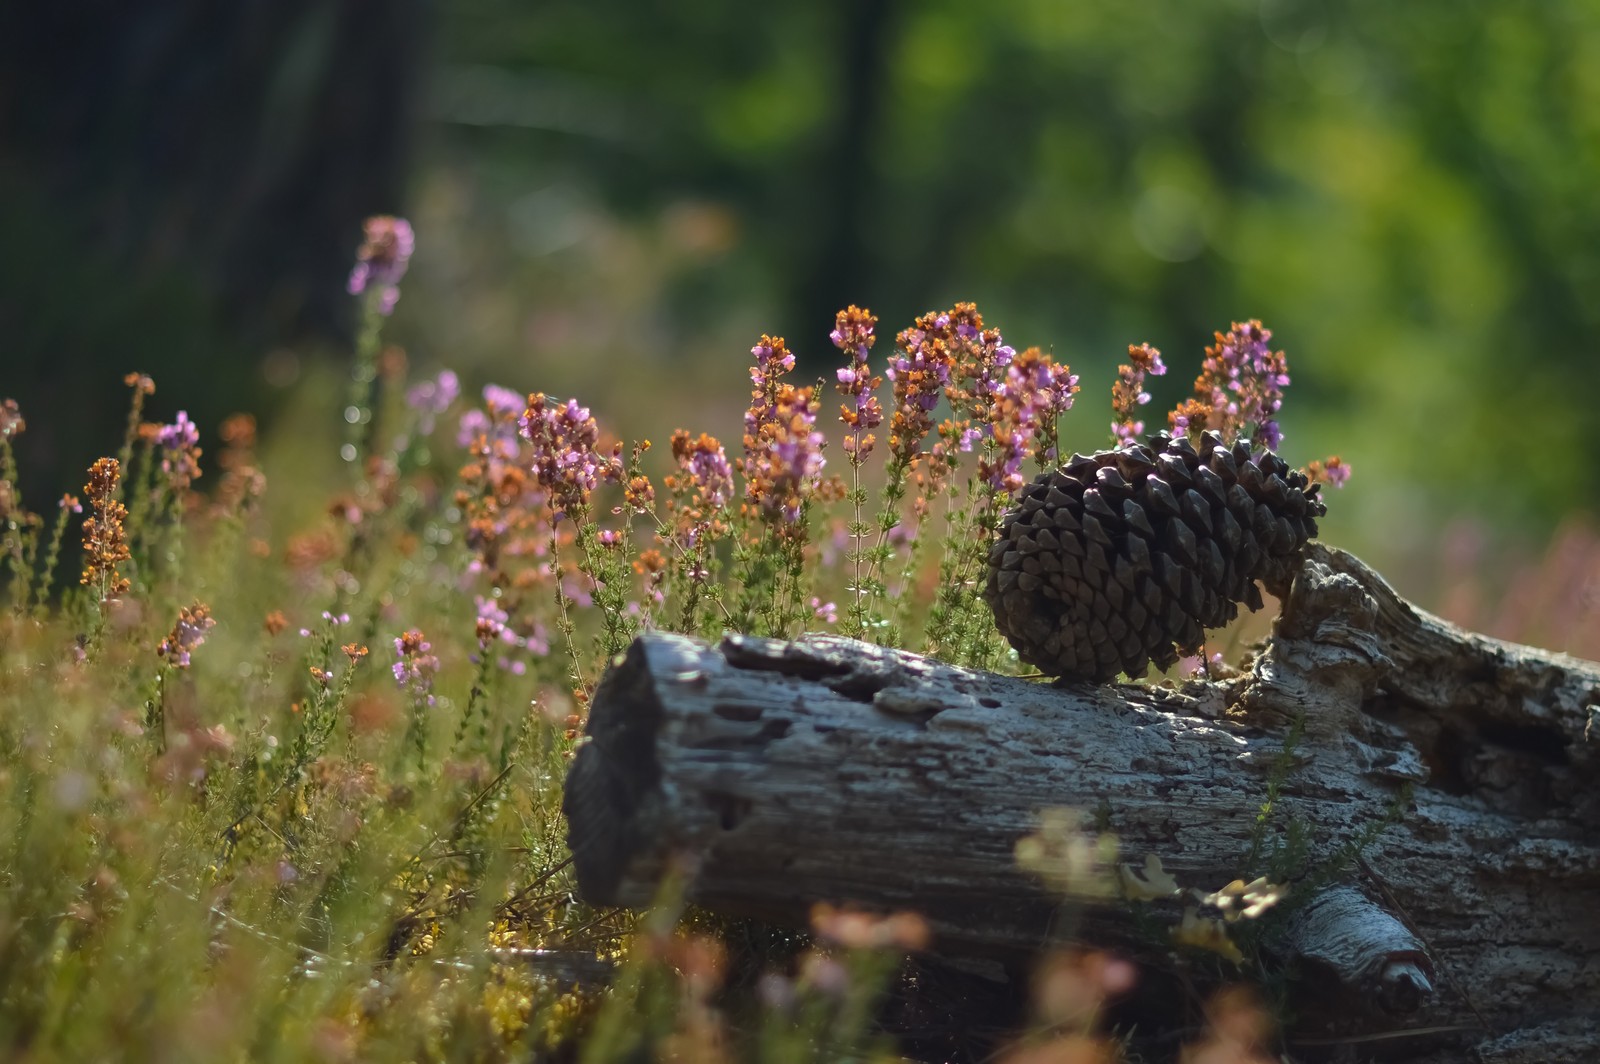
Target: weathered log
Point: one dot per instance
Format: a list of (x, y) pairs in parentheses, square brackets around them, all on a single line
[(1444, 782)]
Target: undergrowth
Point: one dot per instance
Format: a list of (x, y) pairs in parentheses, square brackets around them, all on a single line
[(292, 793)]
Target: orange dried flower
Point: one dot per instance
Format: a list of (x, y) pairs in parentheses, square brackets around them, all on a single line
[(104, 539)]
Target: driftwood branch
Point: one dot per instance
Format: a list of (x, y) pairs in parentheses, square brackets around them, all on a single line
[(1445, 783)]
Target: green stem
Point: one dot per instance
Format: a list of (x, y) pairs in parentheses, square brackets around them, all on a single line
[(358, 411), (477, 699), (564, 623)]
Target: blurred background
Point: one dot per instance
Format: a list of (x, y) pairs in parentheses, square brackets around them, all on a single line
[(614, 199)]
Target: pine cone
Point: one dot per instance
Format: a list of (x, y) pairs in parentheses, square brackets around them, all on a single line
[(1125, 557)]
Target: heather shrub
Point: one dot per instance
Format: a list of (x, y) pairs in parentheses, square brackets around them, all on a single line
[(293, 792)]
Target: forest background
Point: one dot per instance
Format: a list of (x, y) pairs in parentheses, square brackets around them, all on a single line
[(614, 200)]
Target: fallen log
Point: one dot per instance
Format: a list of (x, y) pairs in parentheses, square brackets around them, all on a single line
[(1440, 803)]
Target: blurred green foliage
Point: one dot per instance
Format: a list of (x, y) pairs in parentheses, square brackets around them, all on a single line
[(1402, 192), (615, 199)]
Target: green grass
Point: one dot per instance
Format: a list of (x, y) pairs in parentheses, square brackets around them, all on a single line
[(278, 849)]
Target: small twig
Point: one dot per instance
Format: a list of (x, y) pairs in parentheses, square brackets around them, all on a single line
[(1386, 1036), (1411, 925), (543, 878), (606, 915)]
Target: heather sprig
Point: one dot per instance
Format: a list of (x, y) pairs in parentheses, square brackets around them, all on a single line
[(414, 668), (105, 545), (782, 466), (381, 262), (566, 459), (853, 333), (187, 633), (322, 709), (568, 463), (696, 519), (1128, 393), (142, 387), (919, 371), (1332, 471), (1005, 406), (508, 524), (178, 445), (1239, 389)]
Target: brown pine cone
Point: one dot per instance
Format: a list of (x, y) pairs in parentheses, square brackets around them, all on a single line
[(1125, 557)]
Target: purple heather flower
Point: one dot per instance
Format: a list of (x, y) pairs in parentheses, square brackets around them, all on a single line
[(179, 444), (415, 665), (707, 465), (1027, 400), (189, 632), (853, 334), (773, 360), (564, 459), (492, 620), (181, 433), (473, 423), (382, 259), (503, 402), (782, 450), (432, 398), (498, 423), (1242, 381), (1128, 393)]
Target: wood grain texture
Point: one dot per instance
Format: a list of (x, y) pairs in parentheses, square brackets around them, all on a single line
[(828, 769)]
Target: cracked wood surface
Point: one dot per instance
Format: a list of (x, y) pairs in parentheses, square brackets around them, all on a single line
[(827, 769)]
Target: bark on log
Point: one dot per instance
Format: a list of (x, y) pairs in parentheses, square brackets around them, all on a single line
[(826, 769)]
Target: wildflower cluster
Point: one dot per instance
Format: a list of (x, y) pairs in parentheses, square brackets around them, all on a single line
[(565, 456), (1026, 405), (784, 466), (783, 458), (1333, 471), (431, 398), (382, 259), (415, 665), (853, 334), (297, 780), (188, 632), (920, 370), (179, 447), (1128, 393), (495, 633), (503, 507), (1239, 390), (704, 483), (104, 539)]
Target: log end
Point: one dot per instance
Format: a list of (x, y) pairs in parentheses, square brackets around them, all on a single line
[(614, 777)]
